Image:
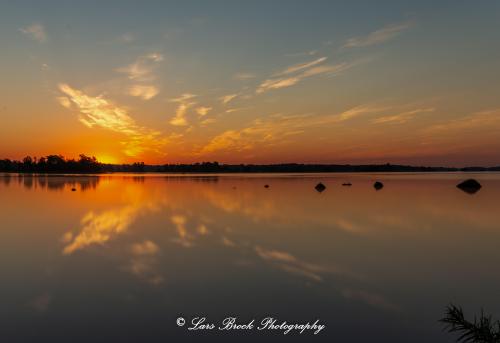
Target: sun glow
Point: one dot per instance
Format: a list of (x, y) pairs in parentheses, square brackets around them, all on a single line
[(106, 158)]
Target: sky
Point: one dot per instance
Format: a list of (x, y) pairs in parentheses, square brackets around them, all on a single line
[(413, 82)]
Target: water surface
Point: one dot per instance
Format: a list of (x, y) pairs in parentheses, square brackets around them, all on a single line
[(122, 256)]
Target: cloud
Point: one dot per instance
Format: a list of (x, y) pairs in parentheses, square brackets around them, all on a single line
[(183, 97), (203, 110), (262, 132), (242, 76), (64, 101), (180, 116), (377, 37), (236, 109), (301, 66), (100, 112), (401, 117), (227, 98), (326, 69), (144, 262), (180, 113), (100, 228), (184, 238), (278, 128), (486, 121), (142, 69), (357, 111), (143, 91), (145, 248), (306, 70), (234, 140), (227, 242), (277, 83), (291, 264), (142, 73), (208, 121), (36, 32), (304, 53), (156, 57)]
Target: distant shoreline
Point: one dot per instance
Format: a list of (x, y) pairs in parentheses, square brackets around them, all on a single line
[(275, 171), (57, 164)]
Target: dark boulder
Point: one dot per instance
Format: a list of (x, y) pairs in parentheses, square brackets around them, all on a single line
[(266, 186), (73, 189), (470, 186), (320, 187), (378, 185)]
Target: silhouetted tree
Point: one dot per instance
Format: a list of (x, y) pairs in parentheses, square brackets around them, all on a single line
[(138, 167), (482, 330)]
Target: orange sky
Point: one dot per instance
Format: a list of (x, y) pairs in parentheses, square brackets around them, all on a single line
[(189, 84)]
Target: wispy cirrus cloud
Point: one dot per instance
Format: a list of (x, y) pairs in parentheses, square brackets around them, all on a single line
[(357, 111), (268, 131), (301, 66), (291, 264), (276, 84), (483, 124), (225, 99), (279, 128), (100, 112), (298, 72), (403, 117), (303, 53), (36, 32), (379, 36)]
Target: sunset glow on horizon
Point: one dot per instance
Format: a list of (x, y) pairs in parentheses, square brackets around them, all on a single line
[(173, 82)]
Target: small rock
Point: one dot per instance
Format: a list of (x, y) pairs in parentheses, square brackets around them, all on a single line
[(347, 184), (266, 186), (320, 187), (378, 185), (470, 186), (73, 189)]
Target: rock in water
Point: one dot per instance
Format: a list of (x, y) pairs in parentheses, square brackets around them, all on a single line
[(320, 187), (266, 186), (73, 189), (347, 184), (378, 185), (470, 186)]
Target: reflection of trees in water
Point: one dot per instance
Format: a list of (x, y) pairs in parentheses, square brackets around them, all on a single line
[(55, 183), (5, 179), (195, 178), (138, 179)]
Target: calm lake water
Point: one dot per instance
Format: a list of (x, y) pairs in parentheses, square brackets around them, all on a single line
[(123, 256)]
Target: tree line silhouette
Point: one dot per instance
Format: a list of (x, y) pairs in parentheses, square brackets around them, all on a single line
[(52, 164), (86, 164)]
